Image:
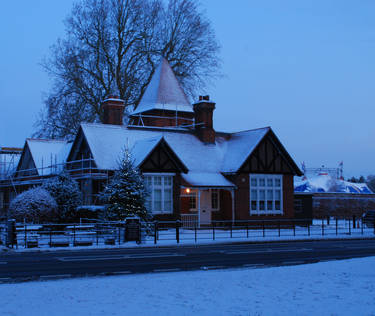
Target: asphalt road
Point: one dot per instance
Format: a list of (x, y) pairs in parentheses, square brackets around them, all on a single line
[(23, 266)]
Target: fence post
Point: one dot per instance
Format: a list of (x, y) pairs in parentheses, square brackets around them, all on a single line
[(178, 231), (308, 229), (231, 229), (328, 220), (155, 232), (25, 235), (195, 232), (50, 236), (74, 235), (354, 221), (119, 234), (213, 230), (97, 235), (322, 227), (294, 228), (264, 230), (279, 227), (350, 232), (247, 230), (337, 221)]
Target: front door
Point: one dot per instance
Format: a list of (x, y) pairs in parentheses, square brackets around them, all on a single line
[(205, 214)]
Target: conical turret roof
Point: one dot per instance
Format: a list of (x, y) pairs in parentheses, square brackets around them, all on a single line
[(164, 92)]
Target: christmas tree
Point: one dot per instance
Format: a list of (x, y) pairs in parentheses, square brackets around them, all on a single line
[(126, 193)]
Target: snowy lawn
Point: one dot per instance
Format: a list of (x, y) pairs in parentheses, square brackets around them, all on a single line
[(328, 288)]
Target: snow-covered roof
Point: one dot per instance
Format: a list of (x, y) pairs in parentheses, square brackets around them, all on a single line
[(48, 153), (107, 142), (325, 183), (164, 92), (204, 179), (240, 146)]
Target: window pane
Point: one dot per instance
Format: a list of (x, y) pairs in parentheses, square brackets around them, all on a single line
[(269, 205), (262, 194), (253, 182), (193, 201), (270, 182), (157, 200), (262, 182), (277, 205), (277, 195), (254, 195), (277, 182), (261, 205), (270, 195), (253, 205), (157, 180), (167, 181)]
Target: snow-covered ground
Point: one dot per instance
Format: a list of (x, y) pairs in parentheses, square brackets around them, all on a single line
[(327, 288)]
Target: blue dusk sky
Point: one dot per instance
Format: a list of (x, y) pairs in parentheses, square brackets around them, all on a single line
[(305, 68)]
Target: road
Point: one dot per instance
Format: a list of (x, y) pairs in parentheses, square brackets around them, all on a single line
[(22, 266)]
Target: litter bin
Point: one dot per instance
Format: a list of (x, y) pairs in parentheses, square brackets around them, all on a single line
[(11, 236), (133, 229)]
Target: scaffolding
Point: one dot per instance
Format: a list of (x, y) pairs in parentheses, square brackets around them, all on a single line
[(9, 157)]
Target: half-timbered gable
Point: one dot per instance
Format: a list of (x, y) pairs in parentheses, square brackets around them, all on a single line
[(162, 159), (270, 157)]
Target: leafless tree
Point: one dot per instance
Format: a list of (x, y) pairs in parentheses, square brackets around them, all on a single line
[(114, 47)]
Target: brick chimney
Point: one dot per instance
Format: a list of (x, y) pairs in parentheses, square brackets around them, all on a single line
[(204, 110), (113, 110)]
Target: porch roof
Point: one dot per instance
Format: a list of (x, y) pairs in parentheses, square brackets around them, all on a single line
[(204, 179)]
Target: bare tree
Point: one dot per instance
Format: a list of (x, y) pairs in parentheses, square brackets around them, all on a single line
[(113, 47)]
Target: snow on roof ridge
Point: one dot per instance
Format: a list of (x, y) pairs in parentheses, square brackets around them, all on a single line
[(252, 130), (47, 140)]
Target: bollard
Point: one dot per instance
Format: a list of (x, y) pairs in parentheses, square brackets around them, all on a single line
[(278, 224), (353, 221), (247, 230), (337, 225)]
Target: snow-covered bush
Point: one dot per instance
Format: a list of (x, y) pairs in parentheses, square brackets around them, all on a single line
[(34, 205), (126, 194), (66, 193)]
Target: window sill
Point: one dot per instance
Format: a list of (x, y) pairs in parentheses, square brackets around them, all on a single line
[(255, 213)]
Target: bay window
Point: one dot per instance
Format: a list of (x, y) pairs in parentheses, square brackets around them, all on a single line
[(160, 197), (265, 194)]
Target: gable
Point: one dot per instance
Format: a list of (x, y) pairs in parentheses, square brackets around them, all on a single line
[(26, 165), (80, 150), (162, 159), (270, 156)]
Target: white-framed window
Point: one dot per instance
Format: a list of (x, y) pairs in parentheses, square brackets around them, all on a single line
[(160, 188), (266, 192), (215, 199)]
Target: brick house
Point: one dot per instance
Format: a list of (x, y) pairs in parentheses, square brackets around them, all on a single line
[(193, 172)]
